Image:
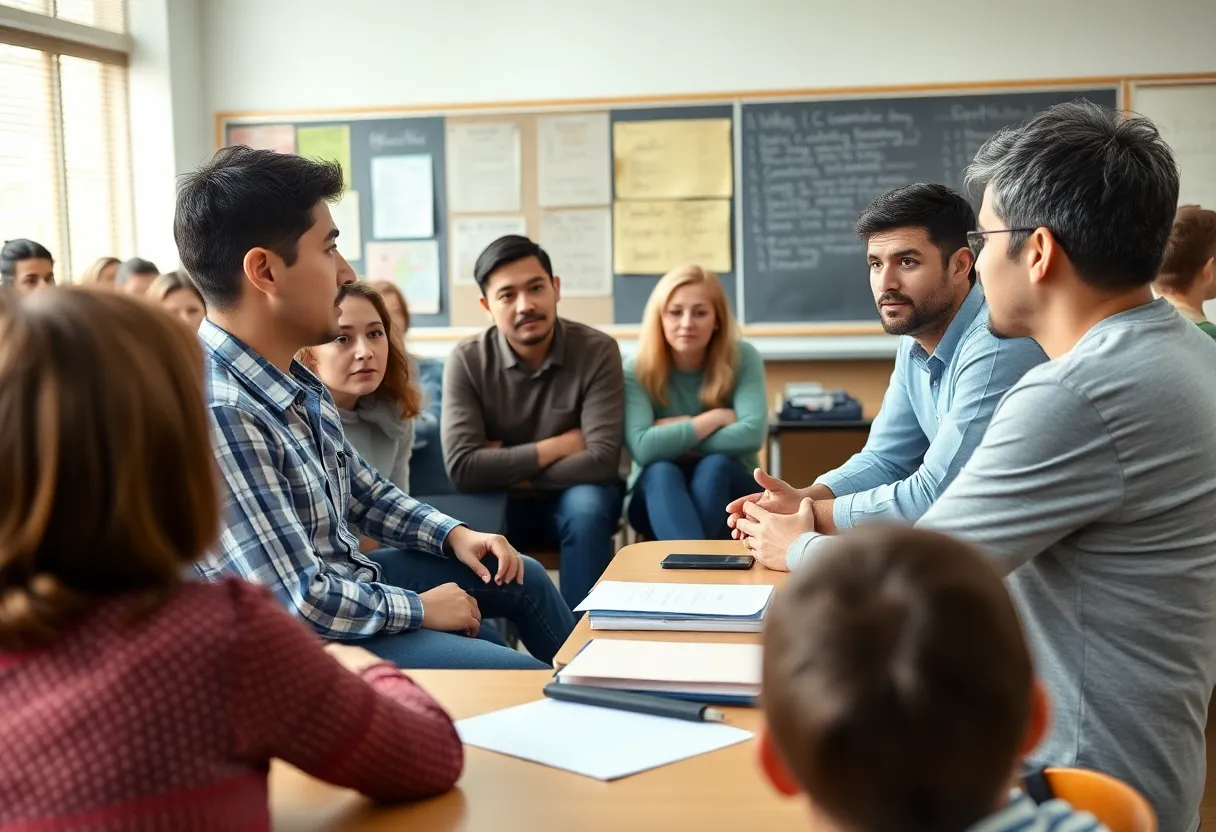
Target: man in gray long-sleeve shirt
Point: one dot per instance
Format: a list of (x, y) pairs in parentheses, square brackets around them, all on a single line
[(535, 405), (1094, 488)]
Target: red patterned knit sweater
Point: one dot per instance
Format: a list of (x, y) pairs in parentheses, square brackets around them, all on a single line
[(170, 722)]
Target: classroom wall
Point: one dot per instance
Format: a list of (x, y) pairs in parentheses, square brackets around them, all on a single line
[(275, 54), (170, 118)]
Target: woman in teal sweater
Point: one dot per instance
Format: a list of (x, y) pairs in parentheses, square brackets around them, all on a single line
[(695, 411)]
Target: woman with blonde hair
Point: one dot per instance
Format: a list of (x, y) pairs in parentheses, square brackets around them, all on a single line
[(103, 273), (130, 697), (176, 293), (368, 374), (695, 410)]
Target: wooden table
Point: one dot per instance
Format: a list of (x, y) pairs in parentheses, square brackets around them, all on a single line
[(721, 790), (640, 562)]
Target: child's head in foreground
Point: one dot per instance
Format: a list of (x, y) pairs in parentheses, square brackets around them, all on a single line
[(898, 689)]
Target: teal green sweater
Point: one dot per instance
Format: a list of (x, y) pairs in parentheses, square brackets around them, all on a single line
[(649, 443)]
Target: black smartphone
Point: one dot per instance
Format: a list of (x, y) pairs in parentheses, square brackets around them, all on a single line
[(707, 562)]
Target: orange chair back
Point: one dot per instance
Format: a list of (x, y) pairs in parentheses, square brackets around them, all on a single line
[(1111, 801)]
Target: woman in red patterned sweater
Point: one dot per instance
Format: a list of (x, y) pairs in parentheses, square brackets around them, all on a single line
[(128, 698)]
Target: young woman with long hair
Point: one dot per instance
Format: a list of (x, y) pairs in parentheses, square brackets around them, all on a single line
[(368, 374), (695, 410), (131, 698), (428, 475)]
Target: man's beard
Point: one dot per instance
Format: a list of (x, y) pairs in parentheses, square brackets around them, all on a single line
[(928, 315)]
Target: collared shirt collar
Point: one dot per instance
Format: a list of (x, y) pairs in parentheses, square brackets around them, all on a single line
[(555, 358), (960, 323), (263, 380)]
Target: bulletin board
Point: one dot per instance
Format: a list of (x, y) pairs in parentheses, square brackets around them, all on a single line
[(761, 186)]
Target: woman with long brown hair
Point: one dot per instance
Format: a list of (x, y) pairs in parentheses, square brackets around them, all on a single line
[(368, 374), (695, 410), (428, 474), (130, 698)]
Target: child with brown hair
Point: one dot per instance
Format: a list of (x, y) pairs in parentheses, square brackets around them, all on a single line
[(899, 692)]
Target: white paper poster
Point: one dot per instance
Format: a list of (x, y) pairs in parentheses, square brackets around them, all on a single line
[(579, 242), (413, 266), (345, 213), (471, 235), (483, 167), (573, 160), (403, 197)]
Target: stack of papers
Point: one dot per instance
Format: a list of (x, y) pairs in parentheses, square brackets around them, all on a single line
[(714, 608), (693, 670), (595, 742)]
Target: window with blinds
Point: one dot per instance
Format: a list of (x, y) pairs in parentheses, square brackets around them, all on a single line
[(110, 15), (65, 161)]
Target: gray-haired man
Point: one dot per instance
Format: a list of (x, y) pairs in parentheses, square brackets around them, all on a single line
[(1104, 523)]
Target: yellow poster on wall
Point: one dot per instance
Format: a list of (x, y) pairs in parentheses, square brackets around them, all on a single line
[(673, 159), (652, 237), (329, 144)]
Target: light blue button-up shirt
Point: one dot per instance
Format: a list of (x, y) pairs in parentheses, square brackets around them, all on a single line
[(933, 416)]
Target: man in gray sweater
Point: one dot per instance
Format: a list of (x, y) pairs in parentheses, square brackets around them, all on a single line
[(1094, 489)]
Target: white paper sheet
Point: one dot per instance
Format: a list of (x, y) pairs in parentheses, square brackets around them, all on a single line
[(413, 266), (681, 599), (573, 161), (579, 242), (345, 213), (403, 197), (691, 662), (471, 235), (483, 167), (594, 742)]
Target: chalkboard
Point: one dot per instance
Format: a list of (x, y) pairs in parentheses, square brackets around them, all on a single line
[(810, 167), (631, 291), (393, 137)]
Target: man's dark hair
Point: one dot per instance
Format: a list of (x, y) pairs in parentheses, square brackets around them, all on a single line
[(135, 265), (505, 251), (1104, 184), (946, 216), (897, 684), (244, 199), (14, 251)]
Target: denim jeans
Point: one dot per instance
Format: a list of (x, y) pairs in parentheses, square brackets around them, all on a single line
[(581, 521), (543, 619), (687, 500)]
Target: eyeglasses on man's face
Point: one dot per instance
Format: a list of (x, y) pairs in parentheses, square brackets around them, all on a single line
[(976, 239)]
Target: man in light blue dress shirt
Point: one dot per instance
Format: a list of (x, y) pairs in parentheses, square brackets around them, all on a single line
[(950, 373)]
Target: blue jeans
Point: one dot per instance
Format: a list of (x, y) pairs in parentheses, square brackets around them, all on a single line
[(687, 500), (535, 607), (581, 521)]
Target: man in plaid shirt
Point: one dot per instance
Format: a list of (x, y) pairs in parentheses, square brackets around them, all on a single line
[(255, 232)]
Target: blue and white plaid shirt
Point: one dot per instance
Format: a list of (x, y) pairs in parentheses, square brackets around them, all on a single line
[(295, 488)]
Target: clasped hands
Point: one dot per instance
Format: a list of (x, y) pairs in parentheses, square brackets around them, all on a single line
[(769, 521)]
